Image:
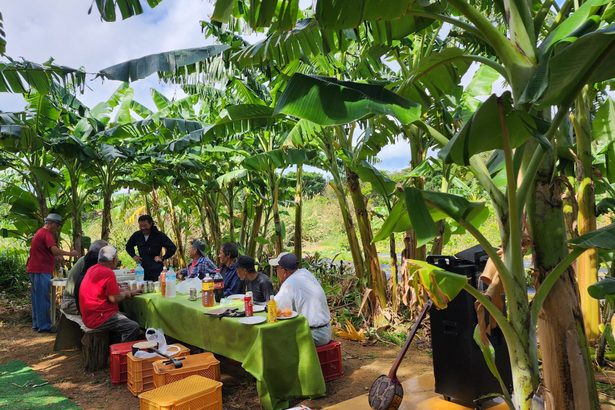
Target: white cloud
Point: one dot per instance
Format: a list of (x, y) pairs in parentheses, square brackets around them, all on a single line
[(394, 156), (39, 29)]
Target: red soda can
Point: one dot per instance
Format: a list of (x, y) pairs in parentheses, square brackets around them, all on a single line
[(247, 302)]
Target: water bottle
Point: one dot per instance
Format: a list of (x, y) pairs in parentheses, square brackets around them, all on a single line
[(139, 273), (170, 279)]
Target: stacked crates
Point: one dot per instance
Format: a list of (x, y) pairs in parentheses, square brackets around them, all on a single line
[(203, 364), (330, 357), (118, 362), (141, 371), (191, 393)]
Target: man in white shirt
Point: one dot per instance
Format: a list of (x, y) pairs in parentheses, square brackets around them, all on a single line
[(302, 292)]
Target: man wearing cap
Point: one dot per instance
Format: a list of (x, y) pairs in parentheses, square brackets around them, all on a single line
[(99, 296), (201, 265), (43, 251), (256, 282), (302, 292)]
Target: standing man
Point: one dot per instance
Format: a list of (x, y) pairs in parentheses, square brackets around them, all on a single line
[(301, 291), (150, 241), (99, 296), (228, 262), (43, 251)]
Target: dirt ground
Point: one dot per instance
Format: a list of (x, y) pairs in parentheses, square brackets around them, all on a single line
[(362, 364)]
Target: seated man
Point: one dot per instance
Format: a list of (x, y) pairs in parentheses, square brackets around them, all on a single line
[(256, 282), (302, 292), (228, 269), (200, 265), (99, 296), (70, 296)]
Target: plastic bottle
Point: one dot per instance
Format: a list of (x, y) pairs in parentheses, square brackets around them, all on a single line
[(208, 292), (218, 286), (248, 305), (139, 273), (272, 310), (163, 282), (170, 279)]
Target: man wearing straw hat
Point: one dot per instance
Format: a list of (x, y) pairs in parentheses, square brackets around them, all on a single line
[(43, 251)]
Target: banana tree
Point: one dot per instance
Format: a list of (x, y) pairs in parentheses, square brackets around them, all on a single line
[(530, 66)]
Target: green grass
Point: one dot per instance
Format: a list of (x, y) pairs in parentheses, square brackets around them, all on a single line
[(22, 388)]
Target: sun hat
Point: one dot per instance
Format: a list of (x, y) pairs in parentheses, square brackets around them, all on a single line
[(276, 261), (57, 218)]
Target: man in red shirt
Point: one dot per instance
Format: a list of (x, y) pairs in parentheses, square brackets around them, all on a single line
[(43, 251), (99, 296)]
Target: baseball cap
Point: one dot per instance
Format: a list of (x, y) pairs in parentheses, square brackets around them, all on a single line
[(289, 261), (57, 218), (276, 261)]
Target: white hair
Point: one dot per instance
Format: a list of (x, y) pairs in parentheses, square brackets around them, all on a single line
[(107, 254)]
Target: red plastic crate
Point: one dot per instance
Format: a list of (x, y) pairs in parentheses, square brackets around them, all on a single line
[(117, 361), (330, 357)]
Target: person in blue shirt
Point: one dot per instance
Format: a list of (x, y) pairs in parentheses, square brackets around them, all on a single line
[(228, 269), (200, 264)]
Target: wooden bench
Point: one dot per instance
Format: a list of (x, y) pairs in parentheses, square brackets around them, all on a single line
[(94, 344)]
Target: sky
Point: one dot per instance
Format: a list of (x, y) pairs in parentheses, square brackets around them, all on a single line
[(37, 30)]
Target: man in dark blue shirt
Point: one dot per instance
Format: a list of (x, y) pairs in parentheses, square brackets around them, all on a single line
[(228, 269), (150, 241)]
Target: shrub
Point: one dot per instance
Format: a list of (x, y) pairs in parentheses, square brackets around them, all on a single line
[(13, 276)]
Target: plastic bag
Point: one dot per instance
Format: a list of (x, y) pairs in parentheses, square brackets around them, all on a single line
[(157, 335), (184, 287)]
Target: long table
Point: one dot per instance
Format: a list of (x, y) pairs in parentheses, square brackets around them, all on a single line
[(281, 356)]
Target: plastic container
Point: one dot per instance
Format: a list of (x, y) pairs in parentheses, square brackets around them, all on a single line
[(139, 273), (202, 364), (330, 357), (194, 393), (118, 367), (141, 371), (218, 286), (272, 310), (163, 282), (207, 295), (171, 280)]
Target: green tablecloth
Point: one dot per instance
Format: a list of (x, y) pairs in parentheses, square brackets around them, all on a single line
[(281, 356)]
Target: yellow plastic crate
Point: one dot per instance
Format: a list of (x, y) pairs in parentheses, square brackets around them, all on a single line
[(141, 371), (191, 393), (202, 364)]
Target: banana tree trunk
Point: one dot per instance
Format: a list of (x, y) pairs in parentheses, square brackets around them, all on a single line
[(156, 209), (265, 228), (244, 224), (175, 226), (277, 223), (394, 281), (376, 278), (256, 225), (351, 233), (231, 214), (214, 222), (567, 368), (587, 263), (298, 211)]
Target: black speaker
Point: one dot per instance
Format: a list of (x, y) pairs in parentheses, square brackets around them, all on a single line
[(460, 371)]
